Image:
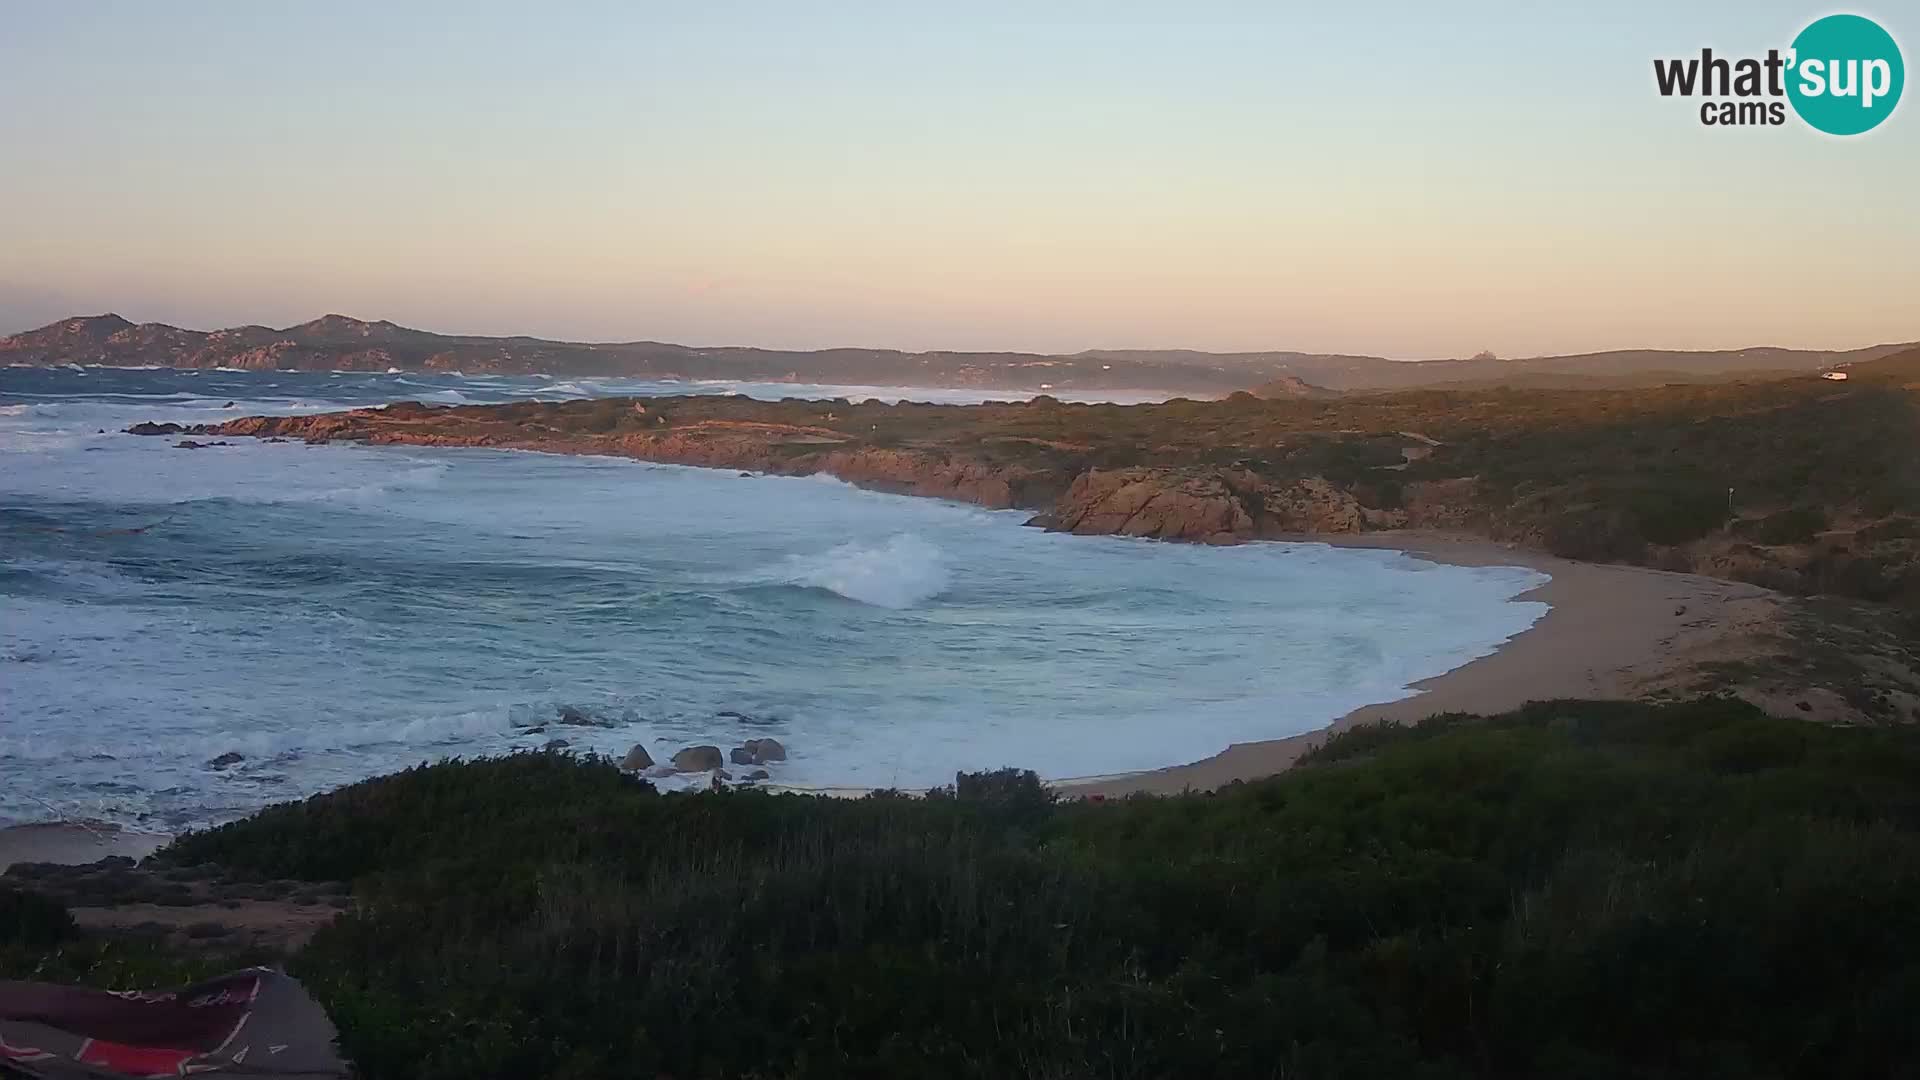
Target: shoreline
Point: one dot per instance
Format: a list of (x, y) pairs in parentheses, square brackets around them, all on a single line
[(73, 843), (1612, 631)]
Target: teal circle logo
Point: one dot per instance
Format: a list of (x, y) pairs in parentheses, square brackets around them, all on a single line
[(1845, 75)]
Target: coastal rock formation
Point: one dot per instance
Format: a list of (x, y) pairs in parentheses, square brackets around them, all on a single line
[(1210, 507), (636, 759), (574, 716), (697, 759), (765, 750), (1156, 503), (914, 473), (1311, 505), (758, 752)]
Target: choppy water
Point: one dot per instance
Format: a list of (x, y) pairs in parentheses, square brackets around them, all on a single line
[(333, 612)]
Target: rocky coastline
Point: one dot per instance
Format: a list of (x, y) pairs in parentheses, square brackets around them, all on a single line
[(1589, 476), (1186, 503)]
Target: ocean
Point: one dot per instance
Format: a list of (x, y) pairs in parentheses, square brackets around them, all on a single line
[(189, 635)]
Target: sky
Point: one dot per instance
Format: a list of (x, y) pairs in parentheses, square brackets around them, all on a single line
[(1405, 179)]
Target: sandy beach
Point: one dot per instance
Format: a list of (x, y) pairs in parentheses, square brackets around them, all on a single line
[(72, 844), (1613, 632)]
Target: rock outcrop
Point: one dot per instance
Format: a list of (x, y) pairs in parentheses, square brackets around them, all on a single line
[(637, 759), (574, 716), (765, 750), (698, 759), (1223, 506), (1311, 505), (1157, 503), (758, 752)]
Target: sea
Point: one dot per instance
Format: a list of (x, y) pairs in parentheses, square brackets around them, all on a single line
[(189, 635)]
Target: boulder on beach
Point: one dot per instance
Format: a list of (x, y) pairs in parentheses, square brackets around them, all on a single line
[(150, 428), (740, 755), (555, 744), (574, 716), (765, 750), (697, 759), (757, 774), (227, 759), (636, 759)]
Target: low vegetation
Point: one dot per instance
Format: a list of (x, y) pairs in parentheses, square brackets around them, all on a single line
[(1575, 889)]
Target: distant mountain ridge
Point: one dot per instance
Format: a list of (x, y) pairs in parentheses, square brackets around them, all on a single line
[(342, 343)]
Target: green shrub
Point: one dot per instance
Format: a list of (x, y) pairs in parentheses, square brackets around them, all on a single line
[(28, 918), (1679, 514), (1897, 528), (1574, 888), (1795, 526)]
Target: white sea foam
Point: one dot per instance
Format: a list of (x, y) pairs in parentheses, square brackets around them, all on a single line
[(902, 572), (415, 479)]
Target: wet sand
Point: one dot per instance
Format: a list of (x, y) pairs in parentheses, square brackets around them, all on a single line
[(1613, 632), (72, 844)]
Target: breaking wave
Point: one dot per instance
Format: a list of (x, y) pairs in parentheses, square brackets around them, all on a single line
[(900, 573)]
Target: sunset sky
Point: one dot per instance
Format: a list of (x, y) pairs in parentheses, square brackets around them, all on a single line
[(1406, 179)]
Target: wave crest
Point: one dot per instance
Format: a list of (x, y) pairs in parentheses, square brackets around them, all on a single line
[(902, 572)]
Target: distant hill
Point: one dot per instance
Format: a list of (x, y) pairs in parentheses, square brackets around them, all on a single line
[(1902, 367), (1291, 386), (341, 343), (1621, 369)]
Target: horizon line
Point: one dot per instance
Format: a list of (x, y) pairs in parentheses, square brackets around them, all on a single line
[(954, 351)]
